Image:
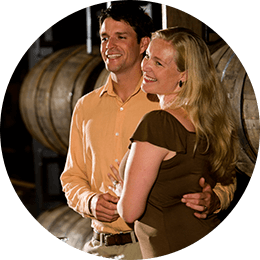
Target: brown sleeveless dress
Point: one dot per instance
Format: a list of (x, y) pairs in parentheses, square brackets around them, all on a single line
[(167, 225)]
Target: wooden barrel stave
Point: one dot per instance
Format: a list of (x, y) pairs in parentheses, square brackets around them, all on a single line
[(44, 96), (46, 220), (82, 82), (60, 102), (217, 55), (61, 225), (62, 221), (51, 90), (28, 96), (80, 234), (241, 94), (102, 79), (250, 112)]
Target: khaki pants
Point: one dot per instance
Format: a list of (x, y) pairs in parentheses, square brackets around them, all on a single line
[(129, 251)]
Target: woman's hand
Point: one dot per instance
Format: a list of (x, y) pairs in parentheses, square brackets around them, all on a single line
[(118, 182)]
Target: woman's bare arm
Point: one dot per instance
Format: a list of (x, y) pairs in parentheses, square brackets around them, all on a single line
[(140, 174)]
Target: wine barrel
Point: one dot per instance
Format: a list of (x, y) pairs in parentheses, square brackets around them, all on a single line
[(241, 94), (63, 222), (102, 79), (51, 90)]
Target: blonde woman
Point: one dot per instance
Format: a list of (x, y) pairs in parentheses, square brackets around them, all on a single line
[(192, 136)]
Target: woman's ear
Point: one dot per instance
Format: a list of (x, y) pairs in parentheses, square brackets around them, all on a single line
[(144, 44), (184, 76)]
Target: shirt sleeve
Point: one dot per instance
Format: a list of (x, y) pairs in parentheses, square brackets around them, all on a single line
[(225, 194), (150, 130), (74, 179)]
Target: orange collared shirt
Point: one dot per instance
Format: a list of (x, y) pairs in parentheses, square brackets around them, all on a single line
[(100, 130)]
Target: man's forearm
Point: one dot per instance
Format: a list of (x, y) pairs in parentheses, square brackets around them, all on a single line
[(225, 195), (78, 194)]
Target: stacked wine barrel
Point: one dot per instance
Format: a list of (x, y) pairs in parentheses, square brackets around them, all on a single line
[(51, 90), (241, 94), (64, 223)]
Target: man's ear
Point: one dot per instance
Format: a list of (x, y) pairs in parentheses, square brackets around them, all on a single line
[(144, 44)]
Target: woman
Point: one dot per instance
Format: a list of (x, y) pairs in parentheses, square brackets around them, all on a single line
[(193, 134)]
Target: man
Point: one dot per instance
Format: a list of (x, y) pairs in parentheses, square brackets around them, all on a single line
[(101, 126)]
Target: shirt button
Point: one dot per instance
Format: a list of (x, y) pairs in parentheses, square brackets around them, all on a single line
[(117, 134), (116, 160), (121, 108)]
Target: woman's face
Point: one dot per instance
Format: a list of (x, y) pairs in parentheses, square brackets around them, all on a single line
[(160, 74)]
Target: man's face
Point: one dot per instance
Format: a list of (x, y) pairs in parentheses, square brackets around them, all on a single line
[(119, 48)]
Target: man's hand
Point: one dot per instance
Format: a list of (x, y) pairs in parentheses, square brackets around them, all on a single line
[(104, 207), (205, 202)]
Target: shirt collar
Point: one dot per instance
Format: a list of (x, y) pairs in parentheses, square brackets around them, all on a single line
[(108, 87)]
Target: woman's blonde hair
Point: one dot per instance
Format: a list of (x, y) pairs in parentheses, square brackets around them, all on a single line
[(205, 100)]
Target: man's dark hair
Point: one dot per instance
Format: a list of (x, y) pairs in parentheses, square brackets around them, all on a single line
[(131, 13)]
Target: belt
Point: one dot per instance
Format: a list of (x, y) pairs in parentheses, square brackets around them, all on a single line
[(115, 239)]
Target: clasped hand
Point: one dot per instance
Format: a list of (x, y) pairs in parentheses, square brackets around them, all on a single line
[(103, 206)]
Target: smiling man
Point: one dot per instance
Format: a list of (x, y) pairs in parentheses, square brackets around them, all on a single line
[(101, 126), (122, 54), (102, 123), (119, 48)]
